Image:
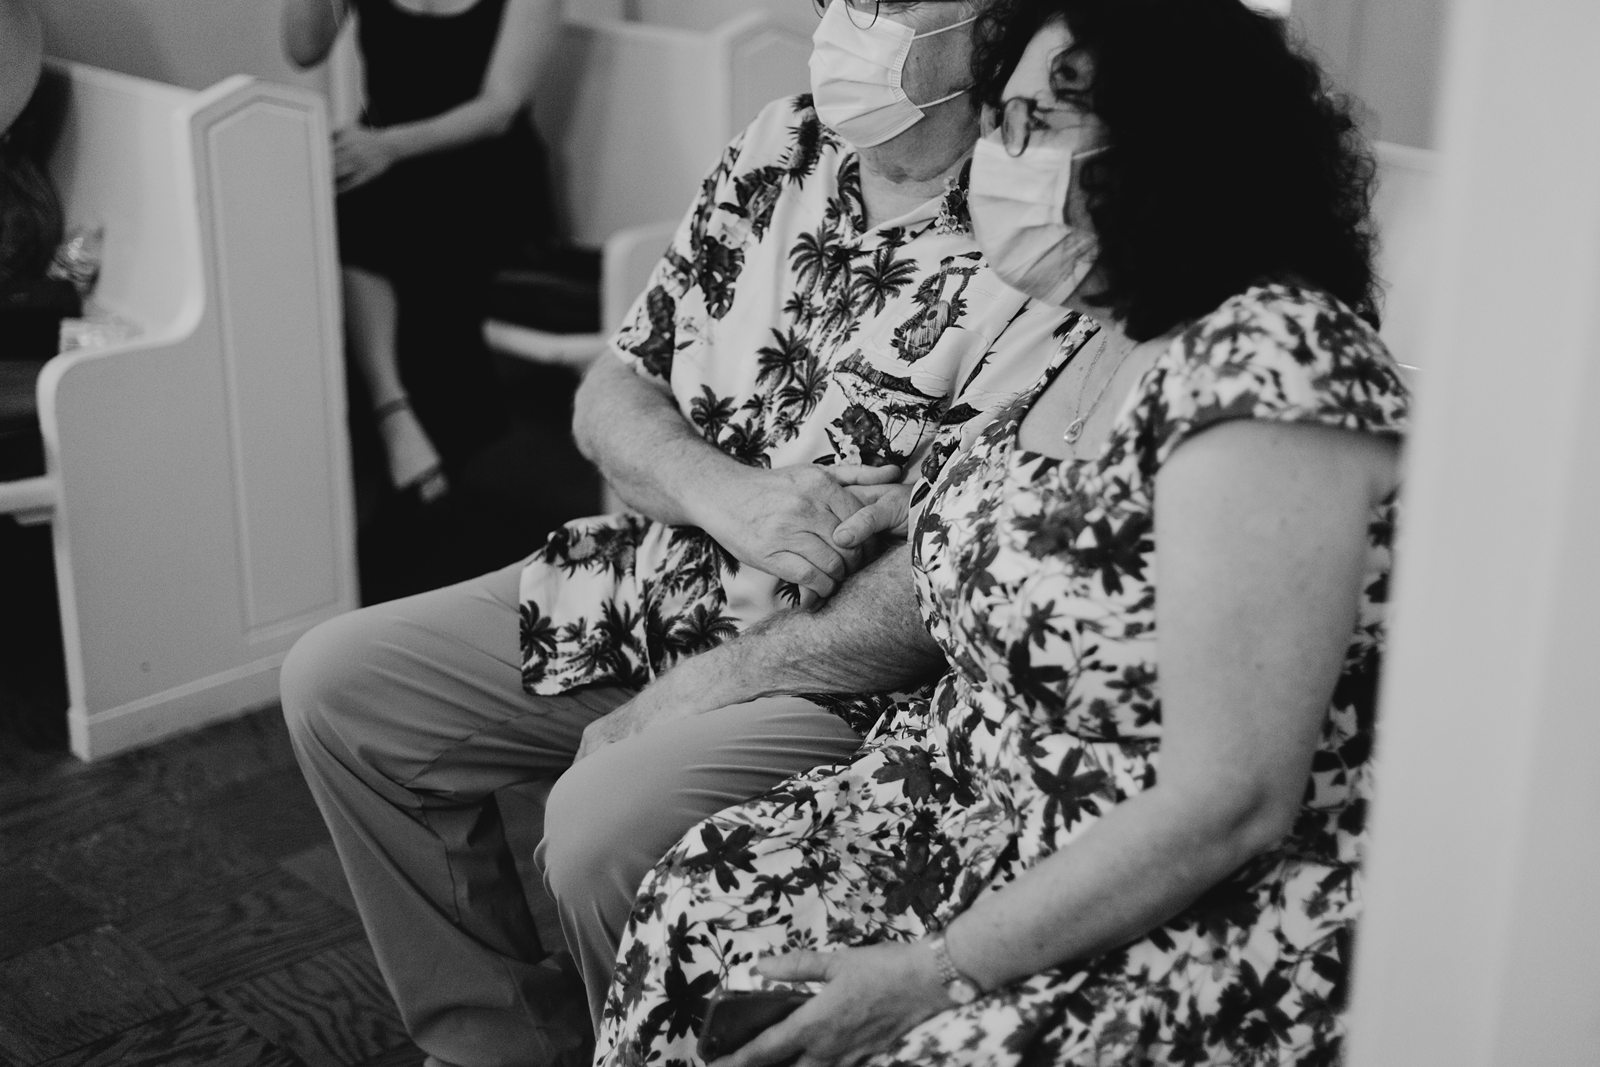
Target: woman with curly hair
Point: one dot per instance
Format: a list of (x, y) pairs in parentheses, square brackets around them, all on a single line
[(1128, 827)]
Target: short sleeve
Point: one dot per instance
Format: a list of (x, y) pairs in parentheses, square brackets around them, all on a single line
[(1275, 353), (648, 336)]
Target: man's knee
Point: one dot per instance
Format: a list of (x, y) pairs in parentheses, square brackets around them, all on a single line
[(323, 675), (588, 833)]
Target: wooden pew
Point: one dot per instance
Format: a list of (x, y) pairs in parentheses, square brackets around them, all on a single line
[(635, 112), (197, 476)]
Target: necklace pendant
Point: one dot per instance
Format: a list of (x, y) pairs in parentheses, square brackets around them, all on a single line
[(1073, 431)]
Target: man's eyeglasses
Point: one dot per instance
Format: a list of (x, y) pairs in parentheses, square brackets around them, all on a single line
[(1018, 118), (862, 12), (865, 9)]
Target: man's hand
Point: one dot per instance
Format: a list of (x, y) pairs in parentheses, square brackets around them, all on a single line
[(654, 704), (360, 154), (782, 522)]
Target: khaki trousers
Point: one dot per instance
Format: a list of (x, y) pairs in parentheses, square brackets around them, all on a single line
[(408, 716)]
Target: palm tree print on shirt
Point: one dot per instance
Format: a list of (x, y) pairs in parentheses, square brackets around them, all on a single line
[(788, 332)]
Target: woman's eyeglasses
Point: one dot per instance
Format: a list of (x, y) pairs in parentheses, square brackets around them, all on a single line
[(1018, 118)]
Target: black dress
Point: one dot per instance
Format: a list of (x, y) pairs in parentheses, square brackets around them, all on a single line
[(438, 225)]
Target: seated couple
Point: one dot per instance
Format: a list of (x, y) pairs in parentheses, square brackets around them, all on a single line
[(1000, 874)]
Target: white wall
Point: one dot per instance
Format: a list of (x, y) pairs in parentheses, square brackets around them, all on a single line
[(1387, 54), (703, 14), (191, 43), (1481, 943)]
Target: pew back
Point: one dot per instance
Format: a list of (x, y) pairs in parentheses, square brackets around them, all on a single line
[(197, 476)]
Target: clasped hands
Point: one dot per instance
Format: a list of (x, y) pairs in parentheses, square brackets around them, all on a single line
[(810, 525)]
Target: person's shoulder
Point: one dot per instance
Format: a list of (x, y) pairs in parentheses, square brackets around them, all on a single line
[(1285, 352), (1280, 322), (786, 126)]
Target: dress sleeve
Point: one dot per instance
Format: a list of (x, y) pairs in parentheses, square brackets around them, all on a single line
[(1279, 354)]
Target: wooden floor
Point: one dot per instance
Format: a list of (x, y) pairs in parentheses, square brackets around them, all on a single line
[(183, 905)]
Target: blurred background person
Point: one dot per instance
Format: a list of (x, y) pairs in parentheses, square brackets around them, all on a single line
[(438, 182)]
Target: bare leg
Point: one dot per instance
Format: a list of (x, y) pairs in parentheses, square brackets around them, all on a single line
[(371, 314)]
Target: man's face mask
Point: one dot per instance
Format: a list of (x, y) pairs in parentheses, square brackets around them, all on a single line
[(856, 72)]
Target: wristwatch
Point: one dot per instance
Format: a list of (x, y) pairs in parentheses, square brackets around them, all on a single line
[(957, 986)]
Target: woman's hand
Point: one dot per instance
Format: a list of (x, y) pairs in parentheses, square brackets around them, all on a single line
[(886, 503), (360, 154), (873, 996)]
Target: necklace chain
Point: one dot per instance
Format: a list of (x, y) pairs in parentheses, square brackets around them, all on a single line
[(1080, 414)]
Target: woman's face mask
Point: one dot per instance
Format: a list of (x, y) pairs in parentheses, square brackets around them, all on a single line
[(1023, 173), (1019, 216), (856, 73)]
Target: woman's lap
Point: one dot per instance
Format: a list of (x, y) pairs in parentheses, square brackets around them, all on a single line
[(808, 866)]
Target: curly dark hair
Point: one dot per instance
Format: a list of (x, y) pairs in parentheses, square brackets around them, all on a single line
[(1230, 161)]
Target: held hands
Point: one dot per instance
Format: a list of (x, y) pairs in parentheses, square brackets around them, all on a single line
[(782, 522), (884, 506), (873, 996), (360, 154)]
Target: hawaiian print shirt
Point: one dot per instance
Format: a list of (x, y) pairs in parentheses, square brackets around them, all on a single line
[(789, 332)]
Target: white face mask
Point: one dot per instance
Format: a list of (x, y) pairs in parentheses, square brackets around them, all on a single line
[(855, 76), (1018, 207)]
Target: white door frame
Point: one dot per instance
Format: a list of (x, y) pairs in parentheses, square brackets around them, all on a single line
[(1481, 942)]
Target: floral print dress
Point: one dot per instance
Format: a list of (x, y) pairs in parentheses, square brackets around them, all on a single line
[(1037, 577)]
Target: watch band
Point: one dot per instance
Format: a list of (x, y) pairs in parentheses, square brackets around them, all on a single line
[(961, 987)]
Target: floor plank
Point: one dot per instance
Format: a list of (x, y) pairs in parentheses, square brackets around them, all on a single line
[(331, 1009), (189, 768), (65, 802), (65, 995), (156, 853), (35, 911), (215, 942), (407, 1055), (319, 868), (201, 1035), (271, 814)]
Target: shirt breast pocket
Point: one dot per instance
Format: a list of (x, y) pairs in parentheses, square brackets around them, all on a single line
[(888, 415)]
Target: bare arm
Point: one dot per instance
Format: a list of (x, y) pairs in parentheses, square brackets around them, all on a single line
[(308, 29), (868, 637), (1262, 531), (1263, 535), (630, 427), (527, 40)]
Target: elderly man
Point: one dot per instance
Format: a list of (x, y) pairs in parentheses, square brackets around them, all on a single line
[(822, 303)]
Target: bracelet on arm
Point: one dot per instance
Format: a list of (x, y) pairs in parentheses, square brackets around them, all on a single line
[(391, 407), (959, 987)]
